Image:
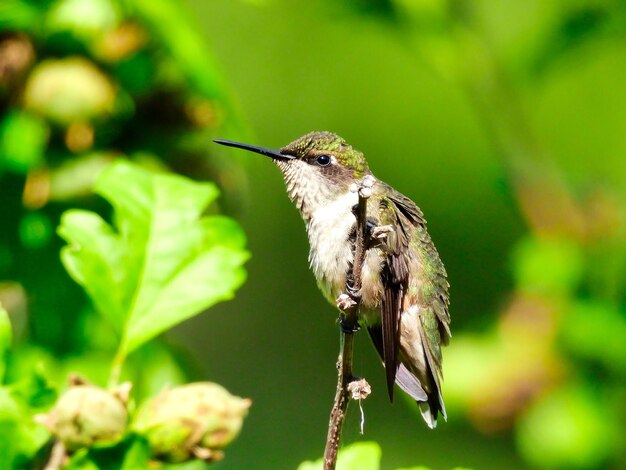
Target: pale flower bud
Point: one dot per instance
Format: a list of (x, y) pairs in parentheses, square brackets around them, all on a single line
[(191, 420), (87, 416)]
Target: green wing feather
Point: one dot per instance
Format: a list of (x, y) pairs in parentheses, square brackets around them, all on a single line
[(410, 245)]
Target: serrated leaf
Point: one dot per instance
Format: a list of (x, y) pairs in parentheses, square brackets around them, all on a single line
[(359, 456), (95, 260), (162, 262)]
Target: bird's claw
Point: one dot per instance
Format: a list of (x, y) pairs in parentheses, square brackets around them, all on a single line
[(355, 294), (377, 234), (345, 302), (380, 232)]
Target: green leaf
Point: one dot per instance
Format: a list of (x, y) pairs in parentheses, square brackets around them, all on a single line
[(20, 436), (34, 391), (154, 368), (137, 455), (81, 460), (9, 418), (95, 259), (163, 262), (359, 456), (6, 335)]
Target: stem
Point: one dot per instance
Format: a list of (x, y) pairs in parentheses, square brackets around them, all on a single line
[(116, 367), (58, 455), (346, 341), (340, 404)]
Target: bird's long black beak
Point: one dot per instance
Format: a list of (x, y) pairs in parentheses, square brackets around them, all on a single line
[(275, 154)]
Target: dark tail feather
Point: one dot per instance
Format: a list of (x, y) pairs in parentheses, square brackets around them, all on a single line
[(430, 404), (404, 378), (390, 316)]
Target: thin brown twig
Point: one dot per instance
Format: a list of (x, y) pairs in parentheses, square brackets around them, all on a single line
[(348, 328)]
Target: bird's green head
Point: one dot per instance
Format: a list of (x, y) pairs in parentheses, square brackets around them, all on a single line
[(317, 167), (328, 150)]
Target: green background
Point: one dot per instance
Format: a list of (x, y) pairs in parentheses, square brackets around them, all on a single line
[(503, 120)]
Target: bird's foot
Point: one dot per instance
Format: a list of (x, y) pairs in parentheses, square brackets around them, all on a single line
[(377, 234), (355, 294), (345, 302), (380, 232)]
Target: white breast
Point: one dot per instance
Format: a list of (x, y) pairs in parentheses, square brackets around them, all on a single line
[(328, 230), (331, 254)]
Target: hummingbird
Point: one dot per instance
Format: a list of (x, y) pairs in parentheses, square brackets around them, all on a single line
[(404, 288)]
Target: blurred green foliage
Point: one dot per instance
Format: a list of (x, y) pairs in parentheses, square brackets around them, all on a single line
[(162, 264), (84, 83), (502, 119), (361, 456)]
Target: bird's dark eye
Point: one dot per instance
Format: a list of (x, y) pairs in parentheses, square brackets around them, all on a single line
[(323, 160)]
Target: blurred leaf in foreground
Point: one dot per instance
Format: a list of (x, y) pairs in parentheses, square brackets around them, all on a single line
[(20, 436), (359, 456), (163, 262)]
